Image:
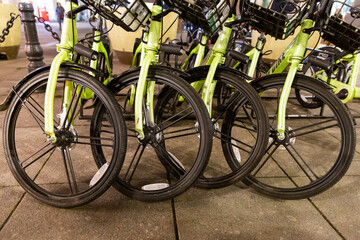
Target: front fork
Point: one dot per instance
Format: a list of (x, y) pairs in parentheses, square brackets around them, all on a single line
[(140, 92), (68, 39), (50, 93), (210, 83), (295, 55)]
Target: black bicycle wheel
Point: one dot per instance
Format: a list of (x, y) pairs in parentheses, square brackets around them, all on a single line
[(247, 138), (64, 173), (181, 139), (319, 144)]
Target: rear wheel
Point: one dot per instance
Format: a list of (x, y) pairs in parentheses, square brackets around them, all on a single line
[(245, 141)]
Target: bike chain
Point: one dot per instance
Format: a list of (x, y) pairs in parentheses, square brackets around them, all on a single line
[(48, 28), (9, 25)]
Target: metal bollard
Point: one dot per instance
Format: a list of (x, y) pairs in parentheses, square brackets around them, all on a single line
[(33, 49)]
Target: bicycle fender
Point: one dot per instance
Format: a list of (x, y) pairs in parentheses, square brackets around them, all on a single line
[(177, 72), (325, 84), (205, 70), (6, 103)]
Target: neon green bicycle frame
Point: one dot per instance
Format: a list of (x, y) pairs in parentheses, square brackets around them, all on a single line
[(98, 46), (350, 87), (293, 55)]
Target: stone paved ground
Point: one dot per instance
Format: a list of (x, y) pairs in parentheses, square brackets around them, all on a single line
[(235, 212)]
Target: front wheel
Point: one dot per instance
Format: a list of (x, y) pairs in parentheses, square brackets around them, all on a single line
[(177, 143), (318, 149), (64, 173)]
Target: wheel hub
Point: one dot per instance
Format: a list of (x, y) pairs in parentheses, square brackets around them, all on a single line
[(289, 139), (65, 138), (149, 135)]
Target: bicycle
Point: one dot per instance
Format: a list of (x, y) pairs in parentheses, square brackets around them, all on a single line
[(156, 168), (249, 137), (61, 138), (312, 172)]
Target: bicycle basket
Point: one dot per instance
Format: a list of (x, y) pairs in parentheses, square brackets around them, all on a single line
[(206, 14), (129, 15), (278, 18), (341, 28)]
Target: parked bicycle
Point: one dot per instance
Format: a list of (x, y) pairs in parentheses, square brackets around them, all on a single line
[(56, 164)]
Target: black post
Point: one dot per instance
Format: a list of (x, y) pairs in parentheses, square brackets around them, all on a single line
[(33, 49)]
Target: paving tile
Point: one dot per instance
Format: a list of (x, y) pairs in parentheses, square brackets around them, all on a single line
[(112, 216), (237, 213), (9, 197), (6, 177), (354, 169), (340, 205)]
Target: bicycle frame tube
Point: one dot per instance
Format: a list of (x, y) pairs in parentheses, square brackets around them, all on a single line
[(151, 51), (68, 39), (215, 59), (354, 76), (254, 55), (136, 54), (98, 46)]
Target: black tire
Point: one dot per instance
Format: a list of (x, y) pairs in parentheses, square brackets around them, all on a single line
[(51, 172), (248, 139), (159, 151), (323, 146)]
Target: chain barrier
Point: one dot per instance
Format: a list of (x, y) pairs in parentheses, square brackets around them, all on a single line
[(48, 28), (9, 25)]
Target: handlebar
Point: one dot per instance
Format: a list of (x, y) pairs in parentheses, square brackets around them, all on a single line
[(75, 11)]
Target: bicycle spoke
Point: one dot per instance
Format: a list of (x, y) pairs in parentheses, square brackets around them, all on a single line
[(268, 157), (37, 119), (316, 130), (136, 163), (249, 117), (69, 167), (312, 125), (181, 130), (74, 110), (35, 153), (93, 144), (96, 138), (179, 169), (41, 108), (298, 163), (182, 135), (173, 123), (305, 163), (231, 138), (232, 101), (239, 126)]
